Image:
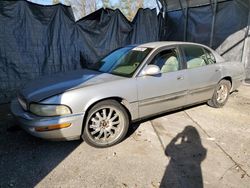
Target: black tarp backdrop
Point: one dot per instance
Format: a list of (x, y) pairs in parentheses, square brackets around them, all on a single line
[(230, 26), (229, 35), (41, 40)]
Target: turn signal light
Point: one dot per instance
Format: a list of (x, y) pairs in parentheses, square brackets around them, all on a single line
[(52, 127)]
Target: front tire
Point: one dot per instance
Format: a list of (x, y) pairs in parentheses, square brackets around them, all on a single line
[(106, 124), (221, 94)]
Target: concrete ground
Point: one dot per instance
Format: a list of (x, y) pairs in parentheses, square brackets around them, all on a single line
[(199, 146)]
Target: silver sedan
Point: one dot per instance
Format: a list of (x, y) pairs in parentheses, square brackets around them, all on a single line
[(134, 82)]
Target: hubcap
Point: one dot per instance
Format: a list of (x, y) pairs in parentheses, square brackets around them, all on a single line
[(222, 93), (105, 125)]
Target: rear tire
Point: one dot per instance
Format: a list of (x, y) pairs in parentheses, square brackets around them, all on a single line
[(106, 124), (221, 94)]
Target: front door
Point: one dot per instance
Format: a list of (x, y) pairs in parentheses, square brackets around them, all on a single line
[(165, 91)]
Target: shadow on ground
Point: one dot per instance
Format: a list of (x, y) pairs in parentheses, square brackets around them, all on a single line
[(186, 154), (25, 160)]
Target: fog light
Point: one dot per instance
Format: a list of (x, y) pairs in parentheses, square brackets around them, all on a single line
[(52, 127)]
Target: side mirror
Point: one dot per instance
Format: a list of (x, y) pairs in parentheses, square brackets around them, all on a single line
[(151, 70)]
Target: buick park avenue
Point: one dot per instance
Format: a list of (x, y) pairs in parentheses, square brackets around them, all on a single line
[(99, 103)]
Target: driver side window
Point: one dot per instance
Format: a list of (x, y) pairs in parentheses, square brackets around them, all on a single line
[(167, 61)]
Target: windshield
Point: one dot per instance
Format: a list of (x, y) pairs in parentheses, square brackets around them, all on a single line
[(122, 62)]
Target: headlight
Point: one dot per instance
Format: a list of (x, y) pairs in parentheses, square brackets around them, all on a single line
[(49, 110)]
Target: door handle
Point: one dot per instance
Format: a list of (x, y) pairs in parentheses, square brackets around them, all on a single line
[(217, 70), (180, 78)]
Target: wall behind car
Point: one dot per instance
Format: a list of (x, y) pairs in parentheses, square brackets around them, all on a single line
[(40, 40)]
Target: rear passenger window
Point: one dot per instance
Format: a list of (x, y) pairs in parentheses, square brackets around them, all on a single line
[(195, 56), (210, 57)]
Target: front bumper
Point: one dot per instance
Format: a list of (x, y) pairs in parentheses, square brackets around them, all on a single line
[(29, 122)]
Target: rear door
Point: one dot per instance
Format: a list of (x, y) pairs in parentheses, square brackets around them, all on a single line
[(202, 71)]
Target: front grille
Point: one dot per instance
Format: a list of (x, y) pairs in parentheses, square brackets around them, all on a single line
[(22, 102)]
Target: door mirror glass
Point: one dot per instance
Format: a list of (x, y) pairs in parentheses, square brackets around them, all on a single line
[(151, 70)]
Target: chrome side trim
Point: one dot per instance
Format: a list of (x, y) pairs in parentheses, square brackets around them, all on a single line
[(202, 89), (164, 98)]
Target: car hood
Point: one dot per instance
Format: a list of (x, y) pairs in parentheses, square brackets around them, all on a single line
[(44, 87)]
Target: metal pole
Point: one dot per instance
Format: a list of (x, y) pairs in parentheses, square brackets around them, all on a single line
[(213, 22), (158, 5), (185, 24), (184, 12), (181, 6), (164, 15), (245, 58)]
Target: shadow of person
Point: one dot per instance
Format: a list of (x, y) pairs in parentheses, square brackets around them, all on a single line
[(186, 153)]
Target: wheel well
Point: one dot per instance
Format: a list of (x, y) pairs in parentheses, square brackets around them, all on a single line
[(228, 78), (117, 99)]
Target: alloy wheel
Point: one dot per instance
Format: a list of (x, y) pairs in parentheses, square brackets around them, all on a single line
[(105, 125), (222, 93)]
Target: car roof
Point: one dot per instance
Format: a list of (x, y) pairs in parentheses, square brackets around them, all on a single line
[(167, 43), (160, 44)]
